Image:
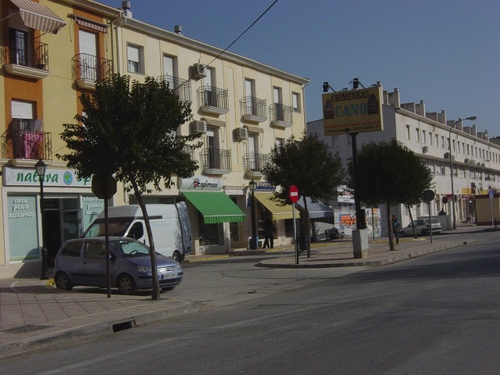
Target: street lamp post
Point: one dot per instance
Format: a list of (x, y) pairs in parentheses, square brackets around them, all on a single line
[(41, 168), (472, 118), (253, 240)]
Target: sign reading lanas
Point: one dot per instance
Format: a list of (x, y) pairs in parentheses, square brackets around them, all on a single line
[(355, 111)]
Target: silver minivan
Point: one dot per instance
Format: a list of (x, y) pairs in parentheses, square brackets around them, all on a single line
[(82, 261)]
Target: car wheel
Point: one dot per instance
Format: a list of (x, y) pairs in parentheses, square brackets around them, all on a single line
[(177, 257), (402, 234), (63, 282), (126, 285)]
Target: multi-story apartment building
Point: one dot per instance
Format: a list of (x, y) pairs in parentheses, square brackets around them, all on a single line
[(475, 159), (53, 50)]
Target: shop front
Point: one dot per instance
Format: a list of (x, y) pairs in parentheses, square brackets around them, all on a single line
[(213, 213), (69, 207)]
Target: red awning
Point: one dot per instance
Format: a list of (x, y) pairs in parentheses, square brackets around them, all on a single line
[(38, 16)]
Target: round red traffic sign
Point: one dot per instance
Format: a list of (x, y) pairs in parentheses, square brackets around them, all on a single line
[(293, 193)]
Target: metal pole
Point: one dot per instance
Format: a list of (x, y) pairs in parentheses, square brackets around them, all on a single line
[(253, 242), (45, 273), (295, 235), (451, 176)]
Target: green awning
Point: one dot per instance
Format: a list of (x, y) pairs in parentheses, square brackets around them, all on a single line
[(216, 207)]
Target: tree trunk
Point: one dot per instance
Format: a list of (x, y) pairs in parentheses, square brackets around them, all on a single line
[(155, 295)]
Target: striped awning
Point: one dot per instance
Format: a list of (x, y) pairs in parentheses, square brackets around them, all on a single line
[(38, 16), (216, 207), (278, 212), (91, 24)]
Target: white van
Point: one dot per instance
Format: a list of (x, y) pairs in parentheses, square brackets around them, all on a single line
[(169, 223)]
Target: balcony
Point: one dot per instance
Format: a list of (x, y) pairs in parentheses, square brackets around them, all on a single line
[(22, 141), (281, 115), (253, 109), (215, 161), (24, 59), (213, 100), (181, 87), (254, 163), (88, 69)]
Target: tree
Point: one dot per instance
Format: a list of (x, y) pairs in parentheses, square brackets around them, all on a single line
[(130, 131), (390, 173), (310, 165)]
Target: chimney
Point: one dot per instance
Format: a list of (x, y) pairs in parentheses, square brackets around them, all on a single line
[(394, 98), (126, 9), (420, 108), (442, 117), (178, 29)]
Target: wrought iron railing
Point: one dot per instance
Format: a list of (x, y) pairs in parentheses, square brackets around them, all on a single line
[(216, 158), (255, 162), (280, 112), (250, 105), (181, 87), (26, 144), (211, 96), (21, 51), (91, 68)]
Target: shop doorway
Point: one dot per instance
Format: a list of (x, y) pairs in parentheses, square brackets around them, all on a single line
[(62, 222)]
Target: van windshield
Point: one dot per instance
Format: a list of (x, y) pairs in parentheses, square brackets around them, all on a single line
[(115, 228)]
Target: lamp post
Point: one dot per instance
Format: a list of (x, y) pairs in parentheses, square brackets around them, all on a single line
[(472, 118), (41, 168), (253, 240)]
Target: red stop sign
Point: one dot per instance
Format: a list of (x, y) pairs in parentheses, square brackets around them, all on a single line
[(293, 193)]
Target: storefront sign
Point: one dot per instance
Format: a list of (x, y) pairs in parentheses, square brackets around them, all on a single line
[(200, 183), (53, 177)]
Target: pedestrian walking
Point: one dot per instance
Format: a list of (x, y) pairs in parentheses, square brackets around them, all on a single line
[(269, 231), (395, 227)]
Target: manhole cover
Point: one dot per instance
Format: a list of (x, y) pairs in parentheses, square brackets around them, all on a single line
[(25, 329)]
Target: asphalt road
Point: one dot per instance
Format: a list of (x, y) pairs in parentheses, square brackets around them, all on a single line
[(439, 314)]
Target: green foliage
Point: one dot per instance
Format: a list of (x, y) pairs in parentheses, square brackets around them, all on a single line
[(388, 172), (129, 130), (307, 163)]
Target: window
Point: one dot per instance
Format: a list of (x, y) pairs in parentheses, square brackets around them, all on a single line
[(278, 104), (95, 250), (417, 135), (296, 102), (408, 132), (250, 94), (424, 138), (134, 55), (20, 51), (280, 142), (430, 139), (71, 250), (442, 142), (437, 140), (210, 93), (168, 66)]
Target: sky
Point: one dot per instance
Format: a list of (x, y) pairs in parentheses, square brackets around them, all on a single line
[(444, 52)]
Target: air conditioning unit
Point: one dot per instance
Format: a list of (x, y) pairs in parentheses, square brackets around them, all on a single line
[(446, 155), (425, 149), (198, 127), (198, 71), (466, 161), (240, 134)]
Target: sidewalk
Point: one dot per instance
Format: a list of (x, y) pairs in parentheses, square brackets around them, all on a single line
[(33, 313)]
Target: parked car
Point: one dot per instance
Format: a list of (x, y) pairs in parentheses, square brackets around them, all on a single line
[(422, 228), (83, 262)]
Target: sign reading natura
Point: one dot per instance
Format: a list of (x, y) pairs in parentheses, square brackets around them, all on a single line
[(355, 111)]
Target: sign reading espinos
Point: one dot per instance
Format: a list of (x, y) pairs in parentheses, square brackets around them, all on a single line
[(355, 111)]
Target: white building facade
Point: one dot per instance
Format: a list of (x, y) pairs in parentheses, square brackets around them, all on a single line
[(475, 158)]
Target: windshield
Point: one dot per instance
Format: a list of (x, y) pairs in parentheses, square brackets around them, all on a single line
[(130, 248), (115, 228)]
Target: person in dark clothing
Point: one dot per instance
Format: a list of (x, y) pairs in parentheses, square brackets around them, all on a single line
[(269, 230), (395, 227)]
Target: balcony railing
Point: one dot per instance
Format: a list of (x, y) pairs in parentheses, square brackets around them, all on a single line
[(88, 69), (19, 51), (26, 144), (253, 109), (216, 161), (254, 163), (281, 115), (213, 100), (181, 87)]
